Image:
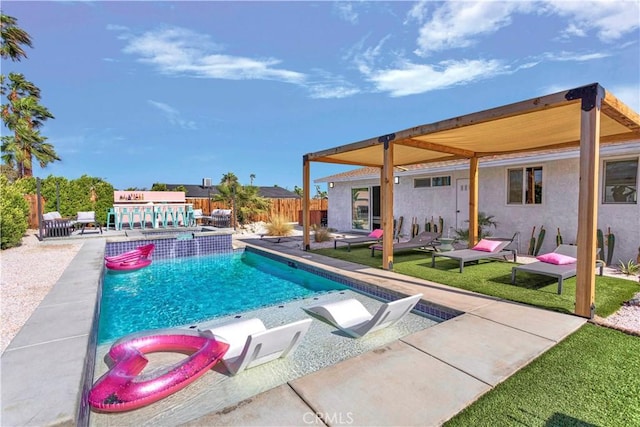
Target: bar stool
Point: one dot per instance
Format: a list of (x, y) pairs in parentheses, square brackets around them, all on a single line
[(111, 215), (136, 211), (168, 213), (125, 212), (191, 221), (148, 212), (158, 216), (180, 213)]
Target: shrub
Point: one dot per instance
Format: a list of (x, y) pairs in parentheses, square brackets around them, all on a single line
[(14, 211), (321, 234), (629, 268), (485, 222), (279, 227)]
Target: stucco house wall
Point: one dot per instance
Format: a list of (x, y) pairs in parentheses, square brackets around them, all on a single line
[(558, 209)]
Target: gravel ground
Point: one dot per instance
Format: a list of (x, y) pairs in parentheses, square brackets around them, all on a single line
[(30, 270)]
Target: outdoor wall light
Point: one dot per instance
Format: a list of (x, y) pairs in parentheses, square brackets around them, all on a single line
[(396, 179), (331, 185)]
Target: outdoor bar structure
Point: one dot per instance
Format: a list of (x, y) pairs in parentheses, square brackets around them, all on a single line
[(156, 208), (583, 117)]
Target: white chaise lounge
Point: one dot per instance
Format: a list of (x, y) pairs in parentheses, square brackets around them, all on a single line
[(351, 317), (252, 344)]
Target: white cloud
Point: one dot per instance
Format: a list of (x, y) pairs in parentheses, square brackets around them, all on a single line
[(332, 91), (611, 19), (572, 56), (365, 60), (173, 115), (417, 13), (411, 79), (456, 23), (180, 51), (346, 12)]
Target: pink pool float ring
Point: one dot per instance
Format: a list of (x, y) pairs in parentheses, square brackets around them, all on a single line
[(131, 260), (128, 265), (120, 390)]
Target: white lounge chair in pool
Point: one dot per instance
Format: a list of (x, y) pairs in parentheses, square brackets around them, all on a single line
[(252, 344), (351, 317)]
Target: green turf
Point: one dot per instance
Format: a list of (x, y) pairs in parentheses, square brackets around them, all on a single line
[(589, 379), (494, 278)]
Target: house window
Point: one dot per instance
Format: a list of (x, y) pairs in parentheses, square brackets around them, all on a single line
[(421, 182), (440, 181), (620, 181), (524, 186), (436, 181), (360, 209)]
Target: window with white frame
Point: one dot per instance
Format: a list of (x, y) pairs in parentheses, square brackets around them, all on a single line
[(435, 181), (524, 186), (620, 181)]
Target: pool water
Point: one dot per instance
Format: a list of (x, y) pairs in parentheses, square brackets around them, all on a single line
[(180, 291)]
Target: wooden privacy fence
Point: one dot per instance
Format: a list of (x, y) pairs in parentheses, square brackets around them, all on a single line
[(286, 208), (32, 200)]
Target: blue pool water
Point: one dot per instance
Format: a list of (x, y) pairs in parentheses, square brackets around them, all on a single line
[(181, 291)]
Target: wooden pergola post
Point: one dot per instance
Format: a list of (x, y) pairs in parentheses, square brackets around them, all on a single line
[(306, 241), (473, 201), (382, 203), (386, 192), (588, 200)]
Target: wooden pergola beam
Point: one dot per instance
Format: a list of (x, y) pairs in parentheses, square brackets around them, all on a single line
[(426, 145)]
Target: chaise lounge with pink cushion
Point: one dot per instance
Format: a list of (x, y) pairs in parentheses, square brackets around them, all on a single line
[(485, 249), (372, 237), (560, 264), (427, 240)]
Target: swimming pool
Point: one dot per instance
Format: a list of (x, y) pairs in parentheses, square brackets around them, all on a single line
[(179, 291)]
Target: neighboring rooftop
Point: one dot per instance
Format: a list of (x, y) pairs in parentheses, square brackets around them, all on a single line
[(203, 192)]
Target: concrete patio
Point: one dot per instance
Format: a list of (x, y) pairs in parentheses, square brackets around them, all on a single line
[(421, 379)]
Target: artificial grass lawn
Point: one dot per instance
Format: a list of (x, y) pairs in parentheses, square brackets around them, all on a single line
[(589, 379), (494, 278)]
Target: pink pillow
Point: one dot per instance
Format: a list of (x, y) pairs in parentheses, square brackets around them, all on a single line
[(558, 259), (376, 234), (487, 245)]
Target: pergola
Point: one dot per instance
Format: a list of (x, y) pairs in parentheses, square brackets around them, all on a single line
[(583, 117)]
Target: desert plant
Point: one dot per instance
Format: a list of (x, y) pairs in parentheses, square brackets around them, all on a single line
[(278, 226), (484, 222), (321, 234), (629, 268)]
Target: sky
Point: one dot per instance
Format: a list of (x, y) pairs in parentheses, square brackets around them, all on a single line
[(174, 92)]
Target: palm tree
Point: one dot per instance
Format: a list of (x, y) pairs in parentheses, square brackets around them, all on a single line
[(244, 199), (12, 39), (252, 177), (229, 178), (24, 115)]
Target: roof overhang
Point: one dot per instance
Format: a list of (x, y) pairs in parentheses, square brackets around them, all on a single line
[(542, 123)]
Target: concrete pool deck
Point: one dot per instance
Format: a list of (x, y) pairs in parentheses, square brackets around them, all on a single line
[(420, 379)]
